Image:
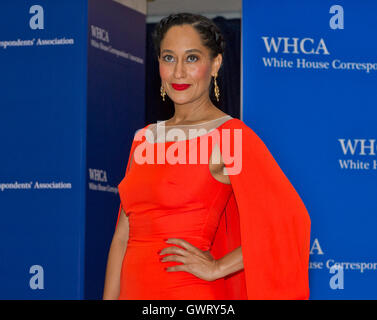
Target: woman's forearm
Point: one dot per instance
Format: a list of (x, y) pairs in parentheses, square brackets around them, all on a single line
[(113, 269), (229, 263)]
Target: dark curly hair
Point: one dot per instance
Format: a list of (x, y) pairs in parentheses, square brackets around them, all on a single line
[(208, 30)]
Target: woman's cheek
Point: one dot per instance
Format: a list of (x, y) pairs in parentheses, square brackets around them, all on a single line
[(199, 72), (165, 72)]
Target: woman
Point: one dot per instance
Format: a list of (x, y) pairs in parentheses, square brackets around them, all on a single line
[(230, 226)]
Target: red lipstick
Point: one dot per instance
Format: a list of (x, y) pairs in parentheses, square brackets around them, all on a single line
[(177, 86)]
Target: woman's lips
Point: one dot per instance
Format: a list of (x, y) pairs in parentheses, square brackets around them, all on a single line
[(177, 86)]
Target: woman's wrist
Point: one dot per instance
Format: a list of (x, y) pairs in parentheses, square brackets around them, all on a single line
[(230, 263)]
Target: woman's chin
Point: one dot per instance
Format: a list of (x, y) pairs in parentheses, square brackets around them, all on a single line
[(180, 100)]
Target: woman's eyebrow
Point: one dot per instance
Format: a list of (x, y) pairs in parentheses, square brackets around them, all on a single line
[(194, 50), (189, 50)]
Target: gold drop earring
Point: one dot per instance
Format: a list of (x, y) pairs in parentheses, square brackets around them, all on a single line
[(163, 93), (217, 90)]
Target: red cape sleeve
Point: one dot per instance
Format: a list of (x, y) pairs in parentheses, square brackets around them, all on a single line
[(266, 216)]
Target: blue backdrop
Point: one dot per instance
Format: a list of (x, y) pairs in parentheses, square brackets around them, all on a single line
[(309, 91), (116, 109), (72, 96), (68, 110)]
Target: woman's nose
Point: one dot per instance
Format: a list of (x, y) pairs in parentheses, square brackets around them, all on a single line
[(179, 70)]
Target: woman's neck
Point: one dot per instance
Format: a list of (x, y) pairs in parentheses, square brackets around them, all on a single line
[(194, 112)]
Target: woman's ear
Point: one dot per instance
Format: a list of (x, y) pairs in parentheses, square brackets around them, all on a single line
[(217, 61)]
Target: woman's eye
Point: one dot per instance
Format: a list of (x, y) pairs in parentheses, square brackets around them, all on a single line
[(168, 58), (192, 58)]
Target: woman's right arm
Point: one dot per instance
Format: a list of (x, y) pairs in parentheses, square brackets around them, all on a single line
[(114, 261)]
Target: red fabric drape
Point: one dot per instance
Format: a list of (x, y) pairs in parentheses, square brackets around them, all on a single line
[(267, 218)]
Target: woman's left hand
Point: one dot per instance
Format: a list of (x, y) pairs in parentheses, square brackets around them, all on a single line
[(195, 261)]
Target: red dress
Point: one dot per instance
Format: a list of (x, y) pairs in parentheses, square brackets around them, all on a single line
[(259, 211)]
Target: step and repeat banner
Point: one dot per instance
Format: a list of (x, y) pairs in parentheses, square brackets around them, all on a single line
[(71, 98), (116, 109), (310, 93)]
